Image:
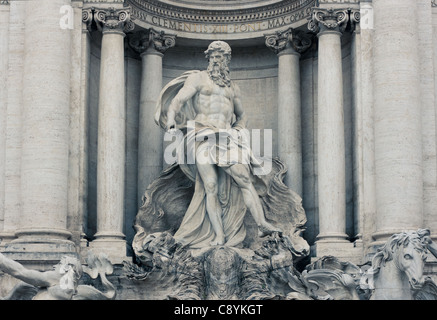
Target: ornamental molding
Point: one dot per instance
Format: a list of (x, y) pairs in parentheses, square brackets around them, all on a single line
[(433, 3)]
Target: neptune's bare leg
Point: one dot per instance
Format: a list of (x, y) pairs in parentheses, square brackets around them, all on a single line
[(240, 173), (208, 173)]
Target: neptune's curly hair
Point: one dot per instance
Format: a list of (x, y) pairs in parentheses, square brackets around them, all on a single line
[(219, 46)]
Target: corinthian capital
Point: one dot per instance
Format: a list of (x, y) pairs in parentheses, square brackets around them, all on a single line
[(328, 19), (298, 41), (113, 20), (152, 40)]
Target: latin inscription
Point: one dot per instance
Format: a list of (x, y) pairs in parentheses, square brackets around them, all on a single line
[(217, 28)]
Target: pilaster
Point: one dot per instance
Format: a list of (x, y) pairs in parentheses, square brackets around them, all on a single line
[(4, 56)]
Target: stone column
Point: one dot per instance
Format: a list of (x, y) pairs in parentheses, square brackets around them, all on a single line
[(329, 25), (42, 234), (398, 122), (111, 135), (151, 45), (288, 45), (4, 54)]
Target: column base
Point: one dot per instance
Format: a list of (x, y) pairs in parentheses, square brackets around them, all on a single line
[(114, 248), (5, 238), (37, 251), (341, 249)]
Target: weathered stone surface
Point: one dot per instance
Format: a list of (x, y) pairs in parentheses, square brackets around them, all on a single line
[(52, 56)]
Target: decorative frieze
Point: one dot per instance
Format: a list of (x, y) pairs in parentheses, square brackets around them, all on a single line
[(159, 41), (113, 20), (290, 38), (225, 16), (231, 21)]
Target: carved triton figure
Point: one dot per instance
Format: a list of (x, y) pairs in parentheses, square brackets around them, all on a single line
[(61, 283), (211, 100)]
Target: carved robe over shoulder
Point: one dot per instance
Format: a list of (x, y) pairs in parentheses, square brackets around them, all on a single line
[(194, 228)]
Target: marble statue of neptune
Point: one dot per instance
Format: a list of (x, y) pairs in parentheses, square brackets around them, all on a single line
[(206, 107)]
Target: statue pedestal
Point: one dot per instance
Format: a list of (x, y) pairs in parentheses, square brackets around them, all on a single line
[(40, 252)]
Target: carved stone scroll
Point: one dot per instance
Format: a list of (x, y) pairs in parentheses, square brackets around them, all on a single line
[(332, 19), (113, 20), (151, 38), (297, 40)]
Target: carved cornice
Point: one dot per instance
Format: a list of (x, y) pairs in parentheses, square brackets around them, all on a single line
[(151, 39), (281, 40), (113, 20), (4, 2), (332, 19)]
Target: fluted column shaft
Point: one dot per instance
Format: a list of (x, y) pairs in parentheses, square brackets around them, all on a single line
[(398, 131)]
